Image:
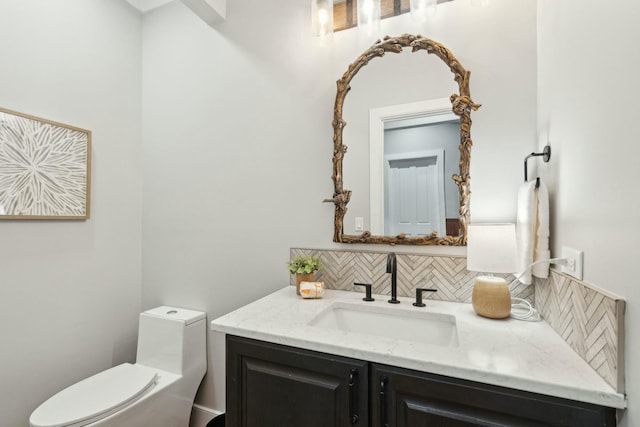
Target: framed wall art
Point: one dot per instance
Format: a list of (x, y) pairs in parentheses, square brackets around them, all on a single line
[(45, 168)]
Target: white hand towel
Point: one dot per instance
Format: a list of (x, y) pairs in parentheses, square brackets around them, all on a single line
[(541, 250), (532, 231), (525, 229)]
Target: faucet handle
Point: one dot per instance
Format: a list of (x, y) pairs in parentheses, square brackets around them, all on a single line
[(367, 287), (419, 292)]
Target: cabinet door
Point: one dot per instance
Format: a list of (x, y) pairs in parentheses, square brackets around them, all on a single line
[(404, 398), (271, 385)]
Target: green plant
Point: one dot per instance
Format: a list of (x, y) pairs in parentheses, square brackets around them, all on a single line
[(304, 264)]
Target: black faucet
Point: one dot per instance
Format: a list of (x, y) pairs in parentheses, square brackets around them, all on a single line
[(392, 267), (419, 292), (367, 287)]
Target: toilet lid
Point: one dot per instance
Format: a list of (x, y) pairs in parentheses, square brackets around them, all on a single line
[(95, 397)]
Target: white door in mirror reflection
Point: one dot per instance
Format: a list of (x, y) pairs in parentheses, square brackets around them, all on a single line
[(425, 129), (414, 193)]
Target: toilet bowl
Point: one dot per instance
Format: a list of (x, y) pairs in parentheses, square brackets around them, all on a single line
[(158, 390)]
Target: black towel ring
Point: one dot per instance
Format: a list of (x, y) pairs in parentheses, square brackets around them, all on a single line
[(546, 155)]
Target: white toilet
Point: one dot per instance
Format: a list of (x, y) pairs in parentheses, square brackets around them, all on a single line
[(157, 391)]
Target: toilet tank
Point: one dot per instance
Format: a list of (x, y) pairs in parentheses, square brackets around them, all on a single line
[(173, 339)]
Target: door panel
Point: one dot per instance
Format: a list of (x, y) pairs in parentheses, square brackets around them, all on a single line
[(278, 395), (269, 385), (417, 399), (415, 196)]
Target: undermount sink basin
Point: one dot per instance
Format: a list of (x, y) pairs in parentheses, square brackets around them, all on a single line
[(408, 325)]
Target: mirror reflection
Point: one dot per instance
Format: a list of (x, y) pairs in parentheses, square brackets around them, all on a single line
[(417, 195), (393, 88), (409, 145)]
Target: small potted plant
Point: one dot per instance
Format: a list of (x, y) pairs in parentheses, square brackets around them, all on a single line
[(304, 267)]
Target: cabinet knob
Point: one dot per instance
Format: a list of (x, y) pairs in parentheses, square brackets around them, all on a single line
[(384, 416), (353, 395)]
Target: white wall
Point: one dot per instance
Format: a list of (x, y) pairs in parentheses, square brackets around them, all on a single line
[(70, 291), (237, 157), (238, 141), (588, 60)]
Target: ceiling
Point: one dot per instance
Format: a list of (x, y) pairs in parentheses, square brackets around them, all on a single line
[(210, 11), (146, 5)]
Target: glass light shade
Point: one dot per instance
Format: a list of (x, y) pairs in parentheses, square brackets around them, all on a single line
[(321, 17), (491, 248), (369, 15), (421, 9)]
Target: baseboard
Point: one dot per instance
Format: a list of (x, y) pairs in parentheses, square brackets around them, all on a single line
[(201, 415)]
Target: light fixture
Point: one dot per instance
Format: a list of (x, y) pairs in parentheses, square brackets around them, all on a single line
[(369, 16), (321, 18), (421, 9), (491, 248)]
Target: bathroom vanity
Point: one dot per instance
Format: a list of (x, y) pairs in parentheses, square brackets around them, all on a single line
[(332, 362), (275, 385)]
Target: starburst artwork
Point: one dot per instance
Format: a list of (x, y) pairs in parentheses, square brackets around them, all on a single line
[(44, 168)]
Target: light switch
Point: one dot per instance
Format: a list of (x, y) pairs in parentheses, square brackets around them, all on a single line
[(359, 223)]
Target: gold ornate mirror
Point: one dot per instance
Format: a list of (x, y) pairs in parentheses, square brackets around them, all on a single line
[(461, 106)]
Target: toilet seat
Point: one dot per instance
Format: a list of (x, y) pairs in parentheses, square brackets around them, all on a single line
[(95, 397)]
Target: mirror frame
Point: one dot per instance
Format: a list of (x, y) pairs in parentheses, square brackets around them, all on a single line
[(461, 105)]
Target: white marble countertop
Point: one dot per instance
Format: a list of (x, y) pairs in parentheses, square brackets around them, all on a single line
[(528, 356)]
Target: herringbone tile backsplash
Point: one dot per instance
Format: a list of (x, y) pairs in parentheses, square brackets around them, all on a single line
[(591, 322), (447, 274)]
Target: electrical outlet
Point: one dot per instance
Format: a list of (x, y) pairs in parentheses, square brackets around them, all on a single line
[(573, 264), (359, 226)]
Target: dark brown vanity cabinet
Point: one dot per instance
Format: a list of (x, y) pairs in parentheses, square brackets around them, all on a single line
[(270, 385), (405, 398)]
